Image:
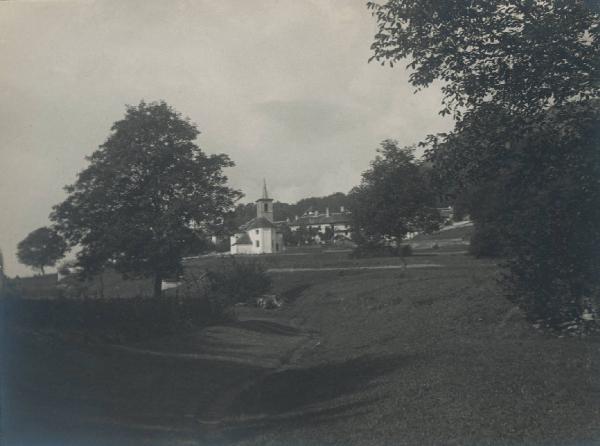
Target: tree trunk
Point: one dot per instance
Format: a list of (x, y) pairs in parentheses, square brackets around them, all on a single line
[(157, 285), (101, 284)]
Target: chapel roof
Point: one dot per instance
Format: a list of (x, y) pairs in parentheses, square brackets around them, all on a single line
[(243, 240), (257, 223)]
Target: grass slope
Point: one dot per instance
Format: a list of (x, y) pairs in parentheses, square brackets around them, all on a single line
[(373, 357)]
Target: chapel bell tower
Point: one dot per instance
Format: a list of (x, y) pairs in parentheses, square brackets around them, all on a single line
[(264, 205)]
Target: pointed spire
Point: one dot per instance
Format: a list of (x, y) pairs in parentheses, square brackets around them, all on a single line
[(265, 195)]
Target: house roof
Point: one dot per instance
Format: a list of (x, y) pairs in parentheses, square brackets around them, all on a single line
[(256, 223), (243, 240), (322, 219)]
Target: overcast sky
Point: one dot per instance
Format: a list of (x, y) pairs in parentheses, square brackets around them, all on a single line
[(283, 87)]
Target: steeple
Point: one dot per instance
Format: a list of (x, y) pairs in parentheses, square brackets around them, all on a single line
[(264, 205)]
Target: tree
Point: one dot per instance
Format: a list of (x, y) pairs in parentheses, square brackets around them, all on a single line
[(520, 79), (240, 215), (149, 196), (42, 247), (301, 236), (333, 201), (520, 55), (289, 237), (328, 234), (2, 275), (394, 196)]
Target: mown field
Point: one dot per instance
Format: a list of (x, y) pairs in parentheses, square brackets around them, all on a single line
[(432, 355)]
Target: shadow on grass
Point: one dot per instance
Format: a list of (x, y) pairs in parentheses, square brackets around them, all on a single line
[(266, 327), (246, 429), (294, 389)]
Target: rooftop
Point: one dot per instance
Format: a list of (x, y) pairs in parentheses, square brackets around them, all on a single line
[(322, 219), (243, 240), (256, 223)]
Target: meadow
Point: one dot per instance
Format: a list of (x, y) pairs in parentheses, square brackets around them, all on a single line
[(428, 355)]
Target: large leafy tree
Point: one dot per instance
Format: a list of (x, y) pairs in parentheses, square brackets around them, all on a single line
[(394, 196), (2, 275), (521, 80), (41, 248), (149, 196), (521, 55)]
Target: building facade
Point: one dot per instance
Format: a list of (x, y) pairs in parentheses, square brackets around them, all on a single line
[(337, 224)]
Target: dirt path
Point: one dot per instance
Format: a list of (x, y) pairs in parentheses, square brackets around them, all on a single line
[(354, 268)]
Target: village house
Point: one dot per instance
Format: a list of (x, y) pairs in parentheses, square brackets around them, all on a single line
[(260, 235), (339, 223)]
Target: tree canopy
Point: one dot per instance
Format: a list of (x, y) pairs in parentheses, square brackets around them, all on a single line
[(519, 55), (149, 196), (521, 81), (394, 196), (41, 248)]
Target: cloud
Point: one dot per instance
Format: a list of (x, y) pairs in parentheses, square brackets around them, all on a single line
[(309, 121)]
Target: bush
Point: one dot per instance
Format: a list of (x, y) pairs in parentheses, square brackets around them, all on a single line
[(406, 251), (223, 245), (487, 241), (372, 249), (208, 300), (237, 280), (542, 212)]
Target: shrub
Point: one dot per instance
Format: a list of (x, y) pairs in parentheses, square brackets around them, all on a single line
[(542, 212), (406, 251), (487, 241), (237, 280), (372, 249), (223, 245)]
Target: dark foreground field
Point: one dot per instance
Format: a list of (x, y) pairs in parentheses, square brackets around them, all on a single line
[(430, 355)]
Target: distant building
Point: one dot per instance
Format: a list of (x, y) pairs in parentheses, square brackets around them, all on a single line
[(260, 235), (339, 223)]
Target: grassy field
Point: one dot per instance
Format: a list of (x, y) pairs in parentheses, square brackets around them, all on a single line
[(432, 355)]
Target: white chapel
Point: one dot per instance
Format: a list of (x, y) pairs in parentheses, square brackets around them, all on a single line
[(260, 235)]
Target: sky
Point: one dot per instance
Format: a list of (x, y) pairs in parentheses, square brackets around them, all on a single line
[(283, 87)]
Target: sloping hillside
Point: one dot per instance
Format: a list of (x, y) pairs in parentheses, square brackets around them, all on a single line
[(432, 355)]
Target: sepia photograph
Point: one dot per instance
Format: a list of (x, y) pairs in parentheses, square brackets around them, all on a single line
[(300, 222)]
